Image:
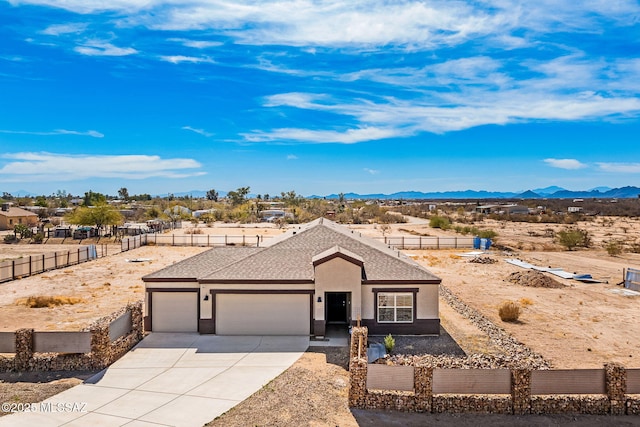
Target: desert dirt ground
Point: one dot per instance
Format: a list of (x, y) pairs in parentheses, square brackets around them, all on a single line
[(576, 326)]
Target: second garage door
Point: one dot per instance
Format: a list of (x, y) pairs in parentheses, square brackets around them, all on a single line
[(263, 314)]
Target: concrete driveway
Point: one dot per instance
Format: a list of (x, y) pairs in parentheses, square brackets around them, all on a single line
[(170, 379)]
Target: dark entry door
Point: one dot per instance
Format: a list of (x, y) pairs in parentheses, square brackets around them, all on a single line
[(337, 307)]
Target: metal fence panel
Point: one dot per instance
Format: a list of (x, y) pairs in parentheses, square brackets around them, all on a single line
[(120, 327), (7, 342), (633, 381), (383, 377), (472, 381), (62, 342), (565, 381)]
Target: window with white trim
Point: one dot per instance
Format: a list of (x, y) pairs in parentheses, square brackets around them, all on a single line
[(395, 307)]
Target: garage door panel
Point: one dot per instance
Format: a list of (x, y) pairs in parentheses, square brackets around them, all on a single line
[(174, 312), (263, 314)]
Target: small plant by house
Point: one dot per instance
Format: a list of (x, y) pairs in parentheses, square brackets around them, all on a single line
[(509, 311), (389, 343)]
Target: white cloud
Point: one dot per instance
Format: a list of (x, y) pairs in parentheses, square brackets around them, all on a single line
[(66, 167), (91, 133), (102, 48), (198, 131), (292, 157), (59, 29), (570, 164), (176, 59), (372, 171), (196, 44), (620, 167), (349, 136)]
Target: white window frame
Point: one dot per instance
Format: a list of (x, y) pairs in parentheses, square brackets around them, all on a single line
[(395, 306)]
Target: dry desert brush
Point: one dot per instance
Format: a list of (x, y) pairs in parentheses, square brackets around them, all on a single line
[(509, 311)]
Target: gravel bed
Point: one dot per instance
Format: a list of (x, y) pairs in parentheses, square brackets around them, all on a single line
[(444, 352)]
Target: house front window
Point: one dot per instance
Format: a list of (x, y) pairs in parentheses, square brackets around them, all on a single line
[(395, 307)]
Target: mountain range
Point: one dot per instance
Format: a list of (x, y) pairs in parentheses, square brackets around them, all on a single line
[(552, 192)]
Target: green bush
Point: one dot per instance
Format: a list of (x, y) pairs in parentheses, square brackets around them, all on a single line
[(389, 343), (572, 238), (440, 222), (613, 247)]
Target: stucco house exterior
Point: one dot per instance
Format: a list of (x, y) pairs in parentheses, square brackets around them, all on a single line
[(313, 275), (11, 216)]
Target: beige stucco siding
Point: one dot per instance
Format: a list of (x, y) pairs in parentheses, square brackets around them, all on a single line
[(338, 275), (262, 314)]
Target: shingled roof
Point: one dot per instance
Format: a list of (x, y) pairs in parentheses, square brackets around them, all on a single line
[(289, 258)]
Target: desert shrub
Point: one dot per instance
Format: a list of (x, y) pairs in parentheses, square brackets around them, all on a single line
[(48, 301), (440, 222), (572, 238), (389, 343), (509, 311), (10, 238), (525, 302), (613, 247), (38, 238), (486, 234)]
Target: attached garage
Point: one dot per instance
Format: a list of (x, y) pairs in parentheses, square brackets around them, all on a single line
[(174, 311), (263, 314)]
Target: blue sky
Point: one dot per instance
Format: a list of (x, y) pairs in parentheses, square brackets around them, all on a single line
[(319, 97)]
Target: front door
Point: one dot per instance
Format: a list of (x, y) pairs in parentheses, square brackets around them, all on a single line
[(338, 307)]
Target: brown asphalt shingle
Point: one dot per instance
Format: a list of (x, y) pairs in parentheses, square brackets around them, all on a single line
[(289, 258)]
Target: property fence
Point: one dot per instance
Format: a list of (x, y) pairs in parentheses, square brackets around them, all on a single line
[(632, 279), (421, 388), (101, 344), (36, 264), (206, 240), (427, 242)]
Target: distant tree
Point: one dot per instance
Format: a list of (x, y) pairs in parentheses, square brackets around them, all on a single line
[(100, 215), (93, 199), (22, 230), (41, 201), (7, 196), (212, 195), (123, 193), (290, 198), (238, 196), (267, 197), (178, 213), (439, 222)]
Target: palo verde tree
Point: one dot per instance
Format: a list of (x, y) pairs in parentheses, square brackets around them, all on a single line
[(101, 215), (239, 196)]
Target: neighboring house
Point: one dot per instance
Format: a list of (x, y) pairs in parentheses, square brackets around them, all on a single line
[(502, 209), (10, 217), (574, 209), (315, 274)]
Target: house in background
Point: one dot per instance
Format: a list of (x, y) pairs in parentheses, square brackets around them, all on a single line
[(314, 275), (11, 216)]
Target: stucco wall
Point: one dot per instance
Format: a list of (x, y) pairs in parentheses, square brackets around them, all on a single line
[(337, 275)]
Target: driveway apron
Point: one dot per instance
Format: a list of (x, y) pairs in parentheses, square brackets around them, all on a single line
[(169, 379)]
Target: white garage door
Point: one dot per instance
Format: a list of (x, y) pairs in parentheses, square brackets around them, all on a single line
[(174, 312), (262, 314)]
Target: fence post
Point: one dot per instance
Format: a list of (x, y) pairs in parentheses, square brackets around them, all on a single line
[(423, 386), (521, 391), (13, 269), (616, 386), (43, 259), (437, 242), (24, 349), (30, 266), (358, 368), (100, 344)]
